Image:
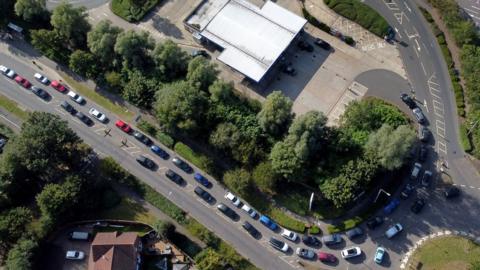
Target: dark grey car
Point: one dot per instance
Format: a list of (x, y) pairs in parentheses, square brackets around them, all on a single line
[(332, 239), (355, 232)]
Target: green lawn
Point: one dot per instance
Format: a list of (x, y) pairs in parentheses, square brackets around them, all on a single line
[(12, 107), (447, 253), (127, 9)]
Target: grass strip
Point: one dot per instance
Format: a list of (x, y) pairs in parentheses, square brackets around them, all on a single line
[(12, 107)]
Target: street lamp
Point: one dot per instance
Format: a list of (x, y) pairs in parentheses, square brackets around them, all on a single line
[(378, 194)]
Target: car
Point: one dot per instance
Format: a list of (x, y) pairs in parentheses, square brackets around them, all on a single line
[(417, 205), (10, 73), (199, 53), (288, 69), (39, 92), (354, 232), (58, 86), (426, 178), (451, 192), (227, 211), (85, 119), (3, 142), (146, 162), (287, 234), (22, 81), (351, 252), (67, 107), (305, 253), (123, 126), (250, 229), (417, 167), (159, 151), (203, 194), (98, 115), (374, 222), (268, 222), (379, 255), (182, 165), (75, 97), (393, 230), (142, 138), (233, 199), (277, 244), (175, 177), (41, 78), (424, 134), (249, 210), (409, 188), (419, 115), (305, 46), (322, 44), (310, 240), (326, 257), (408, 101), (202, 180), (391, 206), (75, 255), (423, 153), (390, 34), (332, 239)]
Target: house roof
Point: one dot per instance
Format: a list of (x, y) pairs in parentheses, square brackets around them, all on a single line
[(113, 251)]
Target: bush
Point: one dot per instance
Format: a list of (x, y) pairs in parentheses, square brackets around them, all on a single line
[(147, 128), (349, 40), (202, 233), (314, 230), (165, 139), (314, 21), (345, 225), (152, 130), (464, 139), (131, 12), (199, 160)]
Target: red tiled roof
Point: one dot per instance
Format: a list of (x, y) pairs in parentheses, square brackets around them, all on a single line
[(113, 251)]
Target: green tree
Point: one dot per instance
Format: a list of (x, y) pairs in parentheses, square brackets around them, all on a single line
[(164, 229), (276, 114), (134, 48), (114, 80), (12, 225), (264, 178), (201, 73), (29, 9), (285, 160), (339, 190), (20, 257), (238, 180), (209, 259), (171, 61), (140, 90), (221, 91), (226, 137), (101, 42), (50, 44), (71, 22), (84, 63), (465, 32), (391, 146)]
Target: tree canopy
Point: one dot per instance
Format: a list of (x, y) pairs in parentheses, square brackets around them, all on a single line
[(71, 22), (84, 64), (171, 61), (134, 48), (101, 41), (29, 9), (276, 114), (201, 73), (140, 90), (238, 180)]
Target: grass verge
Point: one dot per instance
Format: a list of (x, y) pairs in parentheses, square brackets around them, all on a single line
[(464, 139), (128, 209), (12, 107), (152, 130), (129, 11), (197, 159)]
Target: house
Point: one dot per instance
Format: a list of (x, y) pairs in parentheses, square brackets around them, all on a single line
[(115, 251)]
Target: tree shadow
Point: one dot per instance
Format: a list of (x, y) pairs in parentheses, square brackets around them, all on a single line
[(164, 26)]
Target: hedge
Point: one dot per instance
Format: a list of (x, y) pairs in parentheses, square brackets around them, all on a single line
[(464, 139), (152, 130), (314, 21), (314, 230), (345, 225), (129, 12), (199, 160)]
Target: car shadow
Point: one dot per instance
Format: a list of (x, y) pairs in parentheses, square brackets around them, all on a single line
[(358, 259)]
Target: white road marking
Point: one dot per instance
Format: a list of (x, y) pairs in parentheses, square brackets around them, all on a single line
[(11, 122), (442, 147), (407, 6), (425, 104), (418, 45), (423, 68)]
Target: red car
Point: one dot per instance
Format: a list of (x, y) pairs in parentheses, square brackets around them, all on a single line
[(326, 257), (58, 86), (123, 126), (23, 82)]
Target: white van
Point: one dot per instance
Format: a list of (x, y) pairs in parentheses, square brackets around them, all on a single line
[(82, 236)]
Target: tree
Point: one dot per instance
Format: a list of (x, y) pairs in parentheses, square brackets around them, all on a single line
[(239, 180), (226, 137), (140, 90), (264, 177), (20, 257), (465, 32), (339, 190), (276, 114), (209, 259), (71, 22), (101, 42), (285, 161), (171, 61), (114, 80), (84, 63), (391, 146), (201, 73), (12, 225), (50, 44), (29, 9), (164, 229), (221, 91), (180, 107), (134, 48)]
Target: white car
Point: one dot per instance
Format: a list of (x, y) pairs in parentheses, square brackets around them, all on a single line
[(75, 97), (289, 235), (394, 230), (229, 196), (252, 213), (10, 73), (75, 255), (97, 115), (39, 77), (351, 252)]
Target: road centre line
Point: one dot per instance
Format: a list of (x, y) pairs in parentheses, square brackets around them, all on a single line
[(423, 68)]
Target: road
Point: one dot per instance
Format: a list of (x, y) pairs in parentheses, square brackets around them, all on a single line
[(472, 8), (89, 4)]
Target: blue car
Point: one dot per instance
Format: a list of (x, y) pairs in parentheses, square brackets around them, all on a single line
[(201, 180), (159, 151), (391, 206), (268, 223), (379, 254)]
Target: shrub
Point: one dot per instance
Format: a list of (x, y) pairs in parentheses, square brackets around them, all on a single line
[(165, 139), (152, 130), (464, 139), (147, 128), (131, 12), (314, 21), (314, 230), (349, 40), (345, 225)]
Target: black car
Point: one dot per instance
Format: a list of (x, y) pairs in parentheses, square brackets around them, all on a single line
[(451, 192), (417, 206), (374, 222), (311, 240), (354, 232), (424, 134), (423, 153), (305, 46), (322, 44), (288, 69), (174, 177), (142, 138), (408, 101), (199, 53), (250, 229), (203, 194), (409, 188), (227, 211), (39, 92), (390, 35), (146, 162), (67, 107), (85, 119), (182, 165)]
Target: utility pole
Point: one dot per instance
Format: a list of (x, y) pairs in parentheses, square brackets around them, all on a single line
[(378, 194)]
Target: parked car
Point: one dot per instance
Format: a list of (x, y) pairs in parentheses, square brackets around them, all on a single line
[(374, 222), (142, 138), (22, 81), (423, 153), (451, 192), (419, 115), (233, 199), (146, 162), (331, 239), (268, 223), (426, 178), (305, 46), (203, 194), (39, 92), (417, 205), (277, 244), (310, 240), (199, 53), (391, 206), (41, 78), (423, 134), (322, 44), (393, 230), (85, 119), (182, 165), (67, 107), (79, 236), (98, 115), (75, 255), (326, 257), (202, 180), (123, 126), (354, 232), (175, 177), (351, 252), (76, 97), (417, 167), (249, 210), (390, 35), (250, 229), (305, 253), (3, 142), (227, 211), (379, 255), (58, 86), (290, 70), (287, 234), (408, 101), (407, 191), (159, 151), (10, 73)]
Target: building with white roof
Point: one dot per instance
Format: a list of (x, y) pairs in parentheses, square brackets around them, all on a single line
[(250, 38)]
